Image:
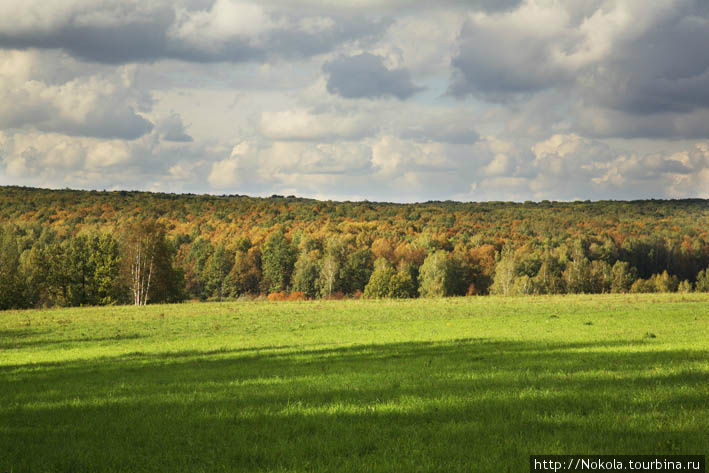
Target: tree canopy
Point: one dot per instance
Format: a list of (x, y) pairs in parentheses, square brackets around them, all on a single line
[(64, 247)]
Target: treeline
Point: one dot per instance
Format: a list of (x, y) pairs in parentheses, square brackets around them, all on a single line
[(68, 248), (355, 264), (39, 269)]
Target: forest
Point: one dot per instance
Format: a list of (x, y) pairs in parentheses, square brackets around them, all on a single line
[(76, 248)]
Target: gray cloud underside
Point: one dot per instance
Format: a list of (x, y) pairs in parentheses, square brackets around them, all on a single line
[(366, 76), (664, 70), (156, 36), (621, 68), (172, 129)]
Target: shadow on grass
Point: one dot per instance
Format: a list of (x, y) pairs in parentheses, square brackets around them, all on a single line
[(9, 344), (21, 333), (466, 405)]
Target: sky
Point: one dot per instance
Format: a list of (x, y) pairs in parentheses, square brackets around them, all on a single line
[(398, 100)]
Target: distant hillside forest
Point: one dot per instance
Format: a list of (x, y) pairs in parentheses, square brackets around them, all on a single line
[(72, 248)]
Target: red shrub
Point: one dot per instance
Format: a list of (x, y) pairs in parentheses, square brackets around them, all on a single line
[(277, 296)]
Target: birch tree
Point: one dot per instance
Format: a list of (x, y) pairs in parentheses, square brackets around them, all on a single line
[(141, 250), (148, 259), (435, 275)]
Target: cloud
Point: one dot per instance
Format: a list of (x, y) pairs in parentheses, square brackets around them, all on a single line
[(288, 162), (125, 31), (569, 167), (522, 59), (396, 6), (27, 155), (426, 126), (56, 160), (108, 31), (602, 122), (401, 100), (234, 170), (305, 125), (660, 64), (384, 168), (621, 68), (583, 167), (171, 128), (365, 76), (94, 106)]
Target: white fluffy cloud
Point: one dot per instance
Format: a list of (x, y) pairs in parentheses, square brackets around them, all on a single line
[(581, 167), (305, 125), (93, 105), (43, 155)]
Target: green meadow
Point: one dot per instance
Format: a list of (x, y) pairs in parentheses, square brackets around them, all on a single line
[(446, 385)]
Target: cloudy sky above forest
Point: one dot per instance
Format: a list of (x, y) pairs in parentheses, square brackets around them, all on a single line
[(397, 100)]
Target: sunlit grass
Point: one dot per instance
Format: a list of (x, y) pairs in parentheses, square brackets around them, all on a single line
[(469, 384)]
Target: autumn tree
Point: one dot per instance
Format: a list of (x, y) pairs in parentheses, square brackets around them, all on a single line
[(664, 282), (482, 258), (245, 274)]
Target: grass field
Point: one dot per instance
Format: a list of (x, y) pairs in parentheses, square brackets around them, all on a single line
[(450, 385)]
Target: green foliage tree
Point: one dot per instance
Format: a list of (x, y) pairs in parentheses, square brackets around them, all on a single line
[(216, 271), (80, 271), (402, 285), (461, 272), (599, 278), (306, 275), (577, 275), (436, 275), (57, 279), (622, 276), (194, 266), (523, 285), (702, 284), (505, 273), (278, 260), (105, 259), (548, 279), (10, 283), (333, 266), (34, 272), (358, 268), (642, 286), (378, 285)]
